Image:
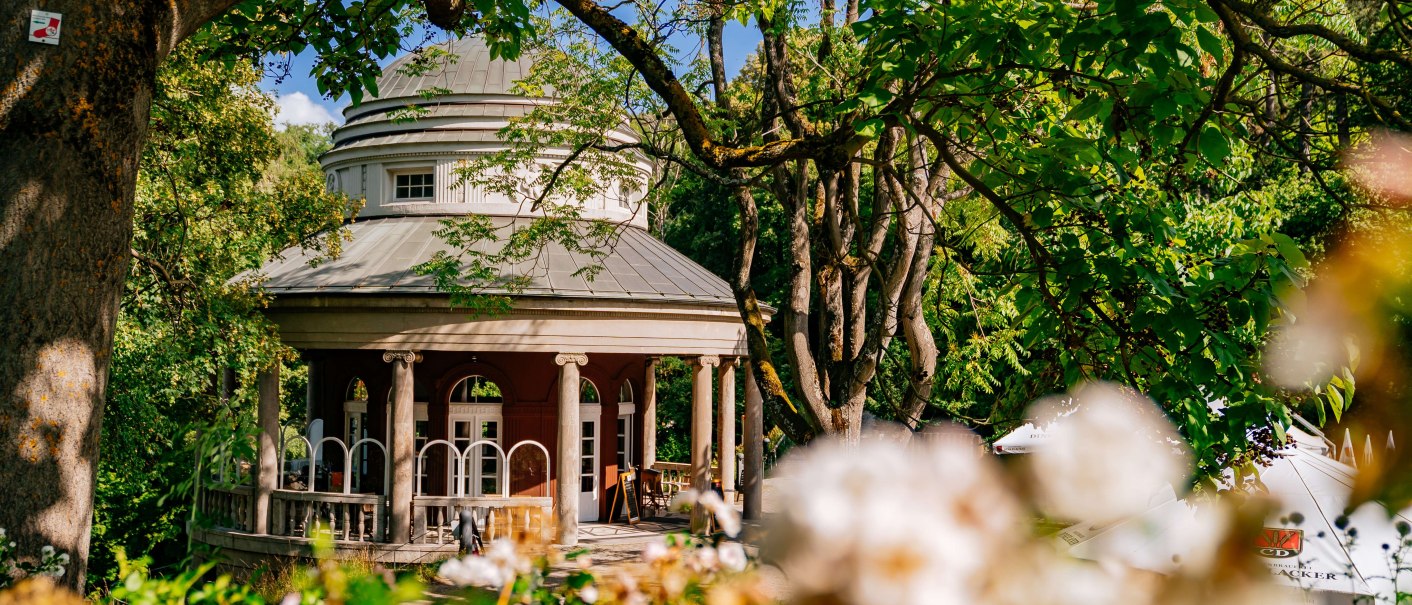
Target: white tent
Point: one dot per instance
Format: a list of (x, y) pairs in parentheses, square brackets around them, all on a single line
[(1302, 542), (1027, 438)]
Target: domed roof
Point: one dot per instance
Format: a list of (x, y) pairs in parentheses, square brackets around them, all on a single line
[(467, 68)]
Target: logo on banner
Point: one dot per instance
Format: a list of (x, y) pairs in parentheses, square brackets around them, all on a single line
[(1280, 543)]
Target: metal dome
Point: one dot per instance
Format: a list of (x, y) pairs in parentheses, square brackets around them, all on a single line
[(468, 69)]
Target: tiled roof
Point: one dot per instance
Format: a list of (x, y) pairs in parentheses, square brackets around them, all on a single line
[(383, 252)]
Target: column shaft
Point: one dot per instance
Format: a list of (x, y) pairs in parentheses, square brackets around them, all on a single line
[(753, 480), (649, 415), (402, 437), (566, 494), (725, 450), (701, 435), (267, 473)]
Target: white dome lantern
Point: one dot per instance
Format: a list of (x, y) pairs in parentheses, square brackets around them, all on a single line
[(407, 167)]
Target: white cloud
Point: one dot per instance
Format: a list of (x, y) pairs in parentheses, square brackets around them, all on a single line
[(297, 108)]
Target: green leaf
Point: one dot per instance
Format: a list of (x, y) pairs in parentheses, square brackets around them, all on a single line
[(1289, 250), (1210, 43), (1092, 105), (875, 97), (871, 127), (1214, 145)]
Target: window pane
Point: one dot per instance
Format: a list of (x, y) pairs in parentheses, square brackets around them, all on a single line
[(463, 430), (587, 392), (412, 186), (487, 486), (586, 484)]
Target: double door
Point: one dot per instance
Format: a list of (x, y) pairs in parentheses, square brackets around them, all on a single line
[(481, 470)]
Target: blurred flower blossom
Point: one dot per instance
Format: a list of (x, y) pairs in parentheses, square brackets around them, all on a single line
[(1108, 459), (882, 523), (732, 556), (499, 566), (654, 551), (726, 515)]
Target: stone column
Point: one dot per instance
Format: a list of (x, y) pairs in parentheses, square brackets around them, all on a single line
[(267, 473), (649, 414), (401, 448), (701, 434), (753, 480), (566, 493), (313, 395), (725, 448)]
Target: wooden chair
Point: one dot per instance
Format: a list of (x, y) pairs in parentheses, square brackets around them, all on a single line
[(653, 498)]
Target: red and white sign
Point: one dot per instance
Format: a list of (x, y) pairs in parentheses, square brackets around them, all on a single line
[(44, 27)]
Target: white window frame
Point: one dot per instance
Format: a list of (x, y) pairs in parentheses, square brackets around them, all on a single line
[(477, 414), (624, 446), (393, 174), (588, 500)]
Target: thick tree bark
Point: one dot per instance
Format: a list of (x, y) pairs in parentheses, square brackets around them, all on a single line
[(73, 118)]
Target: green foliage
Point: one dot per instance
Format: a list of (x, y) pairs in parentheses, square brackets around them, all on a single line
[(219, 192), (351, 37)]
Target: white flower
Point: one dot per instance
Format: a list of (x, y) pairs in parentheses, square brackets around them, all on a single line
[(654, 551), (588, 594), (2, 533), (64, 558), (725, 514), (732, 556), (702, 560), (473, 571), (47, 551), (497, 567), (290, 599), (1107, 460), (885, 523)]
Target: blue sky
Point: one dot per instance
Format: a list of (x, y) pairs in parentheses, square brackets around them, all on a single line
[(300, 103)]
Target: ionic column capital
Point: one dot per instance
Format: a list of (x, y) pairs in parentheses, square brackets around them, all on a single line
[(574, 358), (729, 362), (708, 360), (401, 355)]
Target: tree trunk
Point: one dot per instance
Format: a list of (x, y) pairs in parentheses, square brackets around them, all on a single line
[(73, 118)]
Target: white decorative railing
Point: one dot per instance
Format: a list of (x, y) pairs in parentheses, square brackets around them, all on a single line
[(458, 469), (228, 506), (435, 518), (349, 455), (349, 517)]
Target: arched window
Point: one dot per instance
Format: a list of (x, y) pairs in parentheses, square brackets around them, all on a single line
[(625, 392), (475, 417), (588, 393), (355, 426), (476, 389), (357, 390)]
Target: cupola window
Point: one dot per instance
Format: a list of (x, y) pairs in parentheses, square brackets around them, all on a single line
[(414, 186)]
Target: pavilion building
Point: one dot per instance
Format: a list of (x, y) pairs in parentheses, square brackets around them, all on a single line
[(417, 410)]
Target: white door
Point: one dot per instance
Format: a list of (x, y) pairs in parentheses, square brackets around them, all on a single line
[(588, 475), (481, 473)]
